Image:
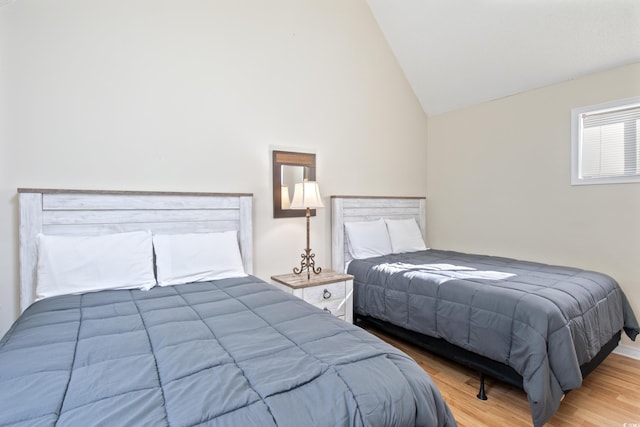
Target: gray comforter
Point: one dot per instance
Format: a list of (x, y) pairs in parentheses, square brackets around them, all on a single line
[(234, 352), (543, 321)]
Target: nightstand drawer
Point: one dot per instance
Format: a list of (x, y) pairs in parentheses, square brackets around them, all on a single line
[(318, 294), (334, 306)]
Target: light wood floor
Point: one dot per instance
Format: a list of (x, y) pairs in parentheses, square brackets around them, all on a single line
[(609, 396)]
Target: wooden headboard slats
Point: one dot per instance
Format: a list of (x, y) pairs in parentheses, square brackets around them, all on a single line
[(156, 227), (140, 215), (381, 212), (78, 212), (130, 193), (106, 201)]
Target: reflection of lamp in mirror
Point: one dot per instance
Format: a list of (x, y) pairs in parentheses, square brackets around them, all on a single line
[(285, 200), (306, 195)]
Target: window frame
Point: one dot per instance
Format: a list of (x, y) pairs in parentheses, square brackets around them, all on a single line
[(576, 142)]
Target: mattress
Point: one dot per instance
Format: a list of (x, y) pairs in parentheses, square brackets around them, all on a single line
[(543, 321), (224, 353)]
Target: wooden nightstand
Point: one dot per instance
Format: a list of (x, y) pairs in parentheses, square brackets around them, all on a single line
[(329, 290)]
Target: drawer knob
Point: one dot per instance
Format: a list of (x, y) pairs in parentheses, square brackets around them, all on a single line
[(326, 294), (327, 310)]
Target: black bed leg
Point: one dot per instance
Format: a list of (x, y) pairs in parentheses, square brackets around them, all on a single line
[(481, 394)]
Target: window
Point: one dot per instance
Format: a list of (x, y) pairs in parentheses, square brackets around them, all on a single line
[(606, 143)]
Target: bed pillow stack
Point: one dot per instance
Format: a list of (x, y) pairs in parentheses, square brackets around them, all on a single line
[(197, 257), (405, 235), (80, 264), (368, 239)]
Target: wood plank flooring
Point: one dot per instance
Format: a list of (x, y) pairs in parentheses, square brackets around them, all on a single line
[(609, 396)]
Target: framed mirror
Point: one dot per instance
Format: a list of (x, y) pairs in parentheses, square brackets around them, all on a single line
[(290, 168)]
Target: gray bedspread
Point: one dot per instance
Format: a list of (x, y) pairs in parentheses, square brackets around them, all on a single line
[(234, 352), (543, 321)]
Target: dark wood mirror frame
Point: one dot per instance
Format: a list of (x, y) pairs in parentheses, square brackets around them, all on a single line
[(287, 158)]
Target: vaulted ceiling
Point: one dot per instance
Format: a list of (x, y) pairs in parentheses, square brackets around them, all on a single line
[(457, 53)]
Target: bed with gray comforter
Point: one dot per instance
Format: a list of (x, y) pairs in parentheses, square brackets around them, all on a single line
[(543, 321), (233, 352)]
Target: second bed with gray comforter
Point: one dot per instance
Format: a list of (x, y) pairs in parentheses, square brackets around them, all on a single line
[(543, 321)]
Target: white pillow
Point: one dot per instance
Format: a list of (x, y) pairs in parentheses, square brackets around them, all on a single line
[(368, 239), (79, 264), (405, 235), (197, 257)]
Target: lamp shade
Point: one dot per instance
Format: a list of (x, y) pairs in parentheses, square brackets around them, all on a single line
[(306, 195)]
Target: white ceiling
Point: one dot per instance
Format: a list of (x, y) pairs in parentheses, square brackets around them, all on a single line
[(457, 53)]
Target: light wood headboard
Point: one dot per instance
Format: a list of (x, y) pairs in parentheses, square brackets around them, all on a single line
[(80, 212), (369, 208)]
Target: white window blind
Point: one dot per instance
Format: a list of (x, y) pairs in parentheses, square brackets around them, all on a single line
[(606, 143)]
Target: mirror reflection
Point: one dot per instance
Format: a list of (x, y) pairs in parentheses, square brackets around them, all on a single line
[(290, 168), (290, 176)]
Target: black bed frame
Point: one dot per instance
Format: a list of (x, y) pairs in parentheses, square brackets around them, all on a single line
[(483, 365)]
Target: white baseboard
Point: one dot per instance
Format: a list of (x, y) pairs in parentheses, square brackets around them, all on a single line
[(626, 350)]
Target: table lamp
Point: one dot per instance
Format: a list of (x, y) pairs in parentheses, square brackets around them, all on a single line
[(306, 195)]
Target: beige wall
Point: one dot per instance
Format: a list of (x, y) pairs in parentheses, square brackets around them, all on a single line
[(192, 95), (499, 178)]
